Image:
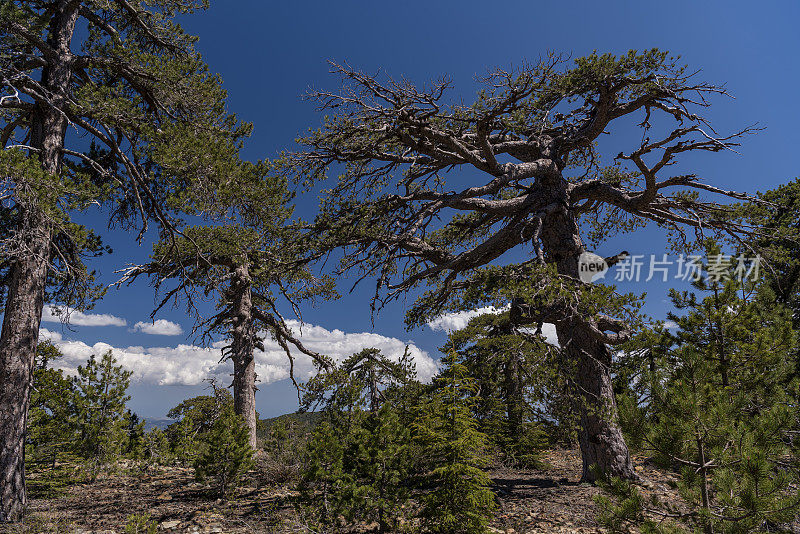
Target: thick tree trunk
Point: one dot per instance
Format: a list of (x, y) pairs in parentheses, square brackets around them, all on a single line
[(18, 343), (23, 307), (244, 394), (512, 387), (243, 342), (600, 436)]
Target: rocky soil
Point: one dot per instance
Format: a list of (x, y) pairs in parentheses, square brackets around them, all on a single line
[(531, 501)]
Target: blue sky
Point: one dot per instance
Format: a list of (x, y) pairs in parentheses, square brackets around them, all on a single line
[(270, 53)]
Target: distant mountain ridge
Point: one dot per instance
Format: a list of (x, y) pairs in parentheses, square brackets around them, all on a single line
[(154, 422), (304, 419)]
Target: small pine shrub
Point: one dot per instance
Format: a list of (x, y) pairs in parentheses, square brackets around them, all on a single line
[(195, 418), (101, 387), (141, 524), (460, 499), (40, 523), (51, 482), (621, 508), (155, 448), (283, 448), (359, 459), (525, 449), (226, 454), (323, 476)]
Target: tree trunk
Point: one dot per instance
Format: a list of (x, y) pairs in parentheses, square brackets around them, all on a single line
[(243, 343), (704, 497), (512, 391), (600, 436), (25, 300), (20, 336)]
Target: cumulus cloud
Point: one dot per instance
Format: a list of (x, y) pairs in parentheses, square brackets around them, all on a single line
[(450, 322), (160, 327), (549, 333), (182, 364), (53, 314), (190, 364)]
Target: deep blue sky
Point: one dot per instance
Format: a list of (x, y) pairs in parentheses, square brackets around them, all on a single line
[(270, 53)]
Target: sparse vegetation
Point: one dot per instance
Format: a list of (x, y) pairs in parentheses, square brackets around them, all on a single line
[(557, 403), (226, 454), (141, 524)]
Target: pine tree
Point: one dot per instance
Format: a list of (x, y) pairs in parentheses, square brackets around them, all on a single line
[(323, 475), (226, 453), (459, 499), (135, 435), (151, 132), (101, 387), (623, 509), (249, 264), (517, 386), (196, 418), (780, 240), (51, 430), (379, 457), (359, 458), (433, 191), (721, 407), (363, 381), (155, 447)]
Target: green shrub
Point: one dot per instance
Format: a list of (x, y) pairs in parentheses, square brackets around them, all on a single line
[(460, 499), (621, 508), (195, 418), (283, 448), (155, 448), (226, 453), (359, 459), (140, 524)]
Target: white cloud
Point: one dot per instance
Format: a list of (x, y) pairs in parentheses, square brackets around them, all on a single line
[(53, 314), (451, 322), (670, 325), (50, 335), (160, 327), (183, 364), (549, 333), (339, 345), (190, 364)]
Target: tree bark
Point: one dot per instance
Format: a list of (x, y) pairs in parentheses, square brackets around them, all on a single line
[(18, 341), (243, 340), (512, 387), (26, 292), (600, 436)]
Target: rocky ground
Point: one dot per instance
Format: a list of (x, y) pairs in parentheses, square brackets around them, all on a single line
[(532, 501)]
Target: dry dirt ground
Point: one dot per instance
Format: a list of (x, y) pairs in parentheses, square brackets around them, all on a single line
[(531, 501)]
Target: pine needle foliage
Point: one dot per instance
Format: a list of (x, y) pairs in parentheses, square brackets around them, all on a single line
[(226, 455), (516, 385), (360, 457), (721, 407), (459, 499)]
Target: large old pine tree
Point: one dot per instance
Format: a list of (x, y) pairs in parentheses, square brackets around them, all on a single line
[(101, 102), (250, 268), (434, 193)]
